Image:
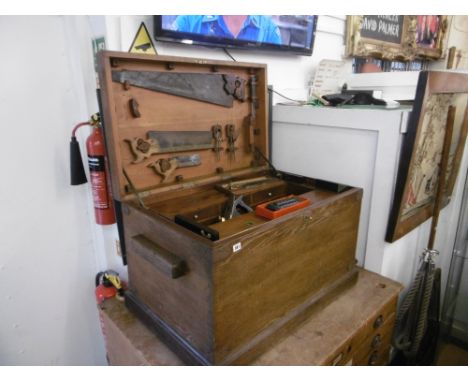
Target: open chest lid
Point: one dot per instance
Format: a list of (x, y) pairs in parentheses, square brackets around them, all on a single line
[(172, 123)]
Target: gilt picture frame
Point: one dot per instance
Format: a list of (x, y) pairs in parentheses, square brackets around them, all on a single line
[(430, 34), (441, 98), (388, 37), (396, 37)]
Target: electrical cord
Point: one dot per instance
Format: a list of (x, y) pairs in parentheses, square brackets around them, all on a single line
[(274, 91), (229, 54), (290, 99)]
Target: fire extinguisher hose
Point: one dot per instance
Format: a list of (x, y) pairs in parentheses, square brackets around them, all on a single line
[(78, 126)]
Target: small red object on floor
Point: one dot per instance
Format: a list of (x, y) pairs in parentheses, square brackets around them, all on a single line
[(104, 292)]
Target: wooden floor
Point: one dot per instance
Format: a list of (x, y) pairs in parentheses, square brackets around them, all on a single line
[(452, 355)]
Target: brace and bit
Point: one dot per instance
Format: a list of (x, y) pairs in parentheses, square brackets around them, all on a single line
[(232, 134), (218, 138)]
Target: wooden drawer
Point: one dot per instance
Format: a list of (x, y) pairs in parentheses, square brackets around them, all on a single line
[(373, 349), (375, 358), (266, 195), (343, 356), (207, 214), (374, 335), (379, 322)]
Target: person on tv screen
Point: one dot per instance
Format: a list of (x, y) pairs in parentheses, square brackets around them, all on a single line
[(250, 28)]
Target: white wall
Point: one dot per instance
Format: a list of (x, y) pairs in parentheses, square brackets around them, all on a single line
[(49, 253)]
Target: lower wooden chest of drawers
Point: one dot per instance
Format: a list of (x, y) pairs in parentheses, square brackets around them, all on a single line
[(353, 327)]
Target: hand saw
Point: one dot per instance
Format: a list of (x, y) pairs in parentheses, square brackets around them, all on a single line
[(219, 89), (159, 142)]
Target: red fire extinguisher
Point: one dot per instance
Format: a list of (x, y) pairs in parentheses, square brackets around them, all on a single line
[(98, 170)]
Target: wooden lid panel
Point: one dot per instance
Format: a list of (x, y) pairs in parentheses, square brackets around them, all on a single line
[(131, 112)]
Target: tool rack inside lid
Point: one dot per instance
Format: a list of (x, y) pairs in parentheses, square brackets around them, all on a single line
[(173, 123)]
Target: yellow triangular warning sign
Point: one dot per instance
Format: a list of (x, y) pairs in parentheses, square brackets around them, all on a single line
[(142, 42)]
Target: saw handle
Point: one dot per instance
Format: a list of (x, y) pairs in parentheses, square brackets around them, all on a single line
[(142, 148), (165, 167)]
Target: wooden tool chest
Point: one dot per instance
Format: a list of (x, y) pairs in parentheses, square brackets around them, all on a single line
[(187, 142)]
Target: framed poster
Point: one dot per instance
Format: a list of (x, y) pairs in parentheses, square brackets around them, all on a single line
[(389, 37), (430, 35), (441, 98)]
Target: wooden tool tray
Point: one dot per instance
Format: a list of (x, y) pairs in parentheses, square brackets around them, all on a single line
[(207, 204)]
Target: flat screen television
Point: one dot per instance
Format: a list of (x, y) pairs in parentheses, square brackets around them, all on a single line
[(288, 33)]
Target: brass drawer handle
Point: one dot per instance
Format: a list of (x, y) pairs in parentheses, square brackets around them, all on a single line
[(373, 358), (378, 322), (376, 341), (165, 261)]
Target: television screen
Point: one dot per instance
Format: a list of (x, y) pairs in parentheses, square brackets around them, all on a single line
[(284, 32)]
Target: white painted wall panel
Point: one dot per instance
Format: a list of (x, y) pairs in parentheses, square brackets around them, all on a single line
[(345, 146), (47, 257)]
